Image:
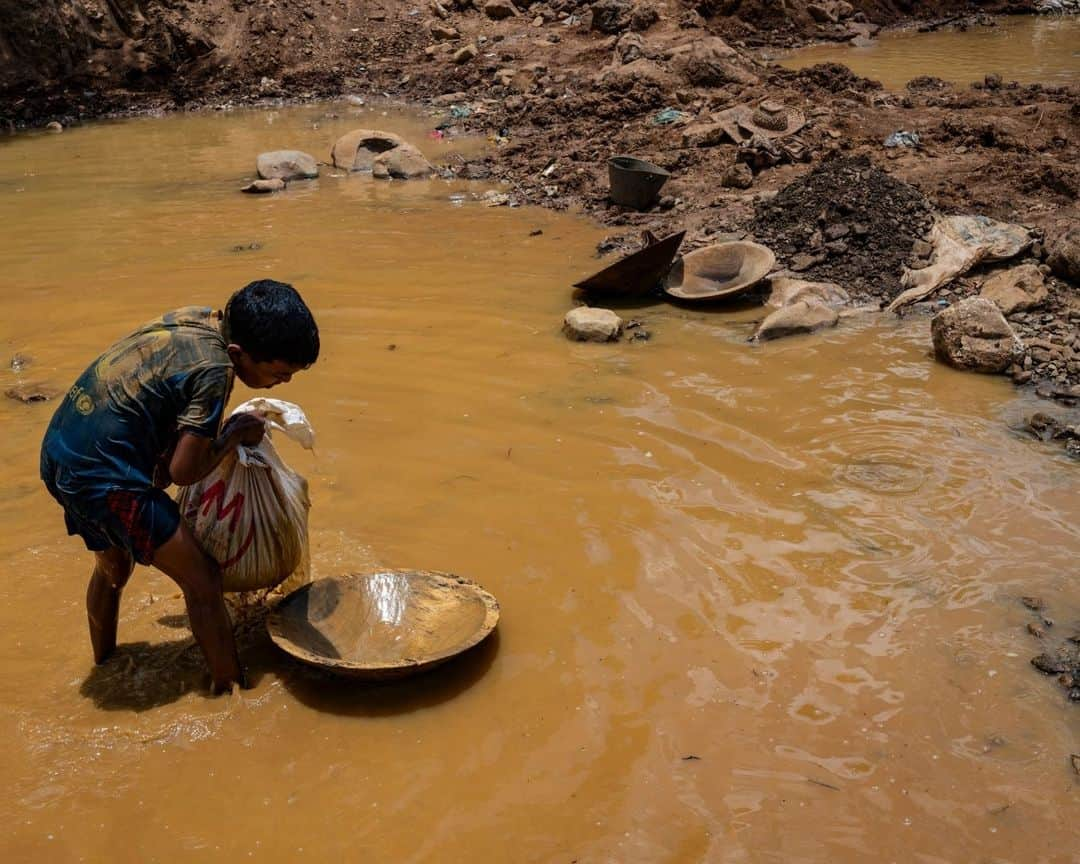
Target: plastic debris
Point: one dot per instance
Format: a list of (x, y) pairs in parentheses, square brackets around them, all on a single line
[(668, 116), (903, 138), (460, 112)]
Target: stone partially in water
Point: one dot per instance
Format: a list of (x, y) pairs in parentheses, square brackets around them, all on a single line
[(404, 162), (787, 290), (974, 335), (1017, 289), (286, 165), (357, 150), (803, 316), (263, 187), (586, 324)]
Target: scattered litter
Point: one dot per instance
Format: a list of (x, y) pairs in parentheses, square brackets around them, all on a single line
[(355, 100), (903, 138), (492, 198), (460, 112), (436, 134), (667, 117)]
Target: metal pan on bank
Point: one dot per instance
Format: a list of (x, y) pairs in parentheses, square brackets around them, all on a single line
[(720, 270), (383, 625)]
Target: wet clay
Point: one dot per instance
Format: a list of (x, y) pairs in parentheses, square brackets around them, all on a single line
[(758, 603)]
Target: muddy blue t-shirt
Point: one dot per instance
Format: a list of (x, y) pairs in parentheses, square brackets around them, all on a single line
[(170, 376)]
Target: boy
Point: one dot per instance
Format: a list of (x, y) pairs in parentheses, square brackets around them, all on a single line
[(149, 412)]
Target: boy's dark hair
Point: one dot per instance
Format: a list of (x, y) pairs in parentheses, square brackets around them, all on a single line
[(270, 321)]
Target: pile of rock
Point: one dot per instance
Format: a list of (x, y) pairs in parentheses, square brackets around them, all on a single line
[(848, 222)]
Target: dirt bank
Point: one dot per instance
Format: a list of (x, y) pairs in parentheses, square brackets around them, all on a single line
[(561, 85)]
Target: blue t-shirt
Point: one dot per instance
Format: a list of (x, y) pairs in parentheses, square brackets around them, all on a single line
[(170, 376)]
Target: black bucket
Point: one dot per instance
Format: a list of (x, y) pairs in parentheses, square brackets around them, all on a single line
[(635, 182)]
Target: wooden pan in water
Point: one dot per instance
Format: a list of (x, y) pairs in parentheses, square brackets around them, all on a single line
[(636, 274), (383, 625), (720, 270)]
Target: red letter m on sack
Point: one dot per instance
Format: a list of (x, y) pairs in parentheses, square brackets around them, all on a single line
[(232, 510)]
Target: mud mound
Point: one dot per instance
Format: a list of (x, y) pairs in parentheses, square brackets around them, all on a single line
[(847, 222)]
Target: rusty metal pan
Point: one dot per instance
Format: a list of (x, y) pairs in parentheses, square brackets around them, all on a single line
[(381, 625), (720, 270)]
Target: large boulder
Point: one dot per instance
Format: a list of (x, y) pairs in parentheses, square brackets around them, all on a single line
[(1016, 289), (974, 335), (803, 316), (404, 162), (286, 165), (586, 324), (1064, 255), (356, 150)]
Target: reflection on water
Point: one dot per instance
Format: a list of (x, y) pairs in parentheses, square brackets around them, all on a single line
[(758, 603), (1026, 48)]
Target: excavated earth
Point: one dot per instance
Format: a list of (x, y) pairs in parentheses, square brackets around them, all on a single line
[(560, 86)]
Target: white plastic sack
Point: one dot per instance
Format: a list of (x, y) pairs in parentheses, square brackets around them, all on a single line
[(251, 512)]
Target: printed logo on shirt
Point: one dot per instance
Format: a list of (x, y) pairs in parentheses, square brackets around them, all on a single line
[(84, 404)]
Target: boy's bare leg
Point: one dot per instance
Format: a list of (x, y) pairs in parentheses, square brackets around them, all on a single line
[(199, 577), (111, 573)]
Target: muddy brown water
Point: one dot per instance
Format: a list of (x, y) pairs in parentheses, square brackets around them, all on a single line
[(1026, 48), (758, 604)]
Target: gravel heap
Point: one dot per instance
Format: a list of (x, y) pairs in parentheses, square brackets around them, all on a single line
[(848, 222)]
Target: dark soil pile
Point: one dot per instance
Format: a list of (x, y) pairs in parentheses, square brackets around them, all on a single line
[(846, 222)]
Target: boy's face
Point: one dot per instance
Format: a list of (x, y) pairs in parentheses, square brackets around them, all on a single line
[(261, 374)]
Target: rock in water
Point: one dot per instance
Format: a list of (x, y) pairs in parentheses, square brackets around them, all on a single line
[(586, 324), (356, 150), (404, 162), (786, 290), (262, 187), (1016, 289), (974, 335), (286, 165), (803, 316)]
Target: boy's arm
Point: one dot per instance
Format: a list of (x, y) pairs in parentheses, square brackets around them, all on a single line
[(196, 455)]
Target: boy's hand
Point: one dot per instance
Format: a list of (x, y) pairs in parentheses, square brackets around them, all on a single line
[(247, 428)]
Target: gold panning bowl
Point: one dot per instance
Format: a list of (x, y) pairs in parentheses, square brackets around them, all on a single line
[(720, 270), (383, 625)]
